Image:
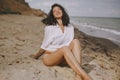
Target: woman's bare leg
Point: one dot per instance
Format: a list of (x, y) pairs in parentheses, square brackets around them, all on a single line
[(53, 58), (76, 49), (56, 57), (71, 60)]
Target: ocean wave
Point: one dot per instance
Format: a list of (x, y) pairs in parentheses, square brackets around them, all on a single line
[(78, 25), (98, 31)]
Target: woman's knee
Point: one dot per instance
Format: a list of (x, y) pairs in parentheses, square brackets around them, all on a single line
[(75, 42)]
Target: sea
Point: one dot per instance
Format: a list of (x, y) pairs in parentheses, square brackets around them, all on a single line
[(103, 27)]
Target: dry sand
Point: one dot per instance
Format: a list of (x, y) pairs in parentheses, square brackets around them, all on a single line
[(22, 35)]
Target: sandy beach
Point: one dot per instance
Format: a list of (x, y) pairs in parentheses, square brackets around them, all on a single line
[(22, 35)]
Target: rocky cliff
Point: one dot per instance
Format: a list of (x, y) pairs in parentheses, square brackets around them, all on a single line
[(18, 7)]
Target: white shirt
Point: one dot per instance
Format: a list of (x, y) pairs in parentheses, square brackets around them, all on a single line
[(54, 38)]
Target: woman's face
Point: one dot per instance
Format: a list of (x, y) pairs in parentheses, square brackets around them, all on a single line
[(57, 12)]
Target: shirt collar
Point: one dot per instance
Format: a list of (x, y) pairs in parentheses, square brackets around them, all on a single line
[(57, 26)]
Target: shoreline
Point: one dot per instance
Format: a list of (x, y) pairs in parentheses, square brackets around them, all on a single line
[(95, 32), (99, 27), (105, 43)]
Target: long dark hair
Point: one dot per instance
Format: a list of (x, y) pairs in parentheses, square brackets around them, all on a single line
[(50, 20)]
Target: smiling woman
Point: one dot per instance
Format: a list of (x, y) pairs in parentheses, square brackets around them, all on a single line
[(57, 12), (59, 44)]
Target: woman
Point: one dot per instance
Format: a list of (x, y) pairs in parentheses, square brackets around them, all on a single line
[(58, 43)]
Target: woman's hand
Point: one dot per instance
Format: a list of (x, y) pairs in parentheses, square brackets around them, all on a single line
[(33, 56), (37, 55)]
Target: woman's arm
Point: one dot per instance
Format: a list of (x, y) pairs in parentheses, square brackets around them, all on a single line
[(46, 41), (38, 54), (48, 37)]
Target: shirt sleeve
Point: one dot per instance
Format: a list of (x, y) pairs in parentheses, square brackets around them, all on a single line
[(72, 31), (47, 37), (71, 34)]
